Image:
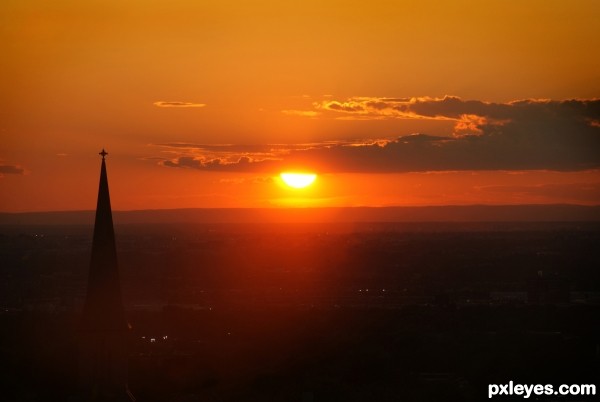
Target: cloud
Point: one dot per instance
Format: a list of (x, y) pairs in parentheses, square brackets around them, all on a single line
[(178, 104), (519, 135), (303, 113), (454, 108), (11, 169), (241, 158)]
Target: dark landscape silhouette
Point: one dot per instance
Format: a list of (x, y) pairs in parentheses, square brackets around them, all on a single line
[(347, 309)]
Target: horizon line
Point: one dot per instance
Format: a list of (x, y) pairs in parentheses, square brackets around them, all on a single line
[(319, 207)]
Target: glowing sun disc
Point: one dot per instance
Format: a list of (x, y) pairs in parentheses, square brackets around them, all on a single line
[(298, 180)]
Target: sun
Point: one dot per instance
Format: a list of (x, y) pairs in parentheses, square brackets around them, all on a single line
[(298, 180)]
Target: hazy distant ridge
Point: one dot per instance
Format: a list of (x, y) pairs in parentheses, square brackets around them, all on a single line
[(474, 213)]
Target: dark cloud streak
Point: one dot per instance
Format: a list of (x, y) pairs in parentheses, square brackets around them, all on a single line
[(11, 169)]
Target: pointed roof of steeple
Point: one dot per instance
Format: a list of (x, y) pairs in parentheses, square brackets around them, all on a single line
[(103, 309)]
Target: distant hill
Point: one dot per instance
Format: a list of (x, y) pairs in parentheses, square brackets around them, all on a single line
[(471, 213)]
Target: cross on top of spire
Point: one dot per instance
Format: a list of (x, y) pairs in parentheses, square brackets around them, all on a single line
[(103, 153)]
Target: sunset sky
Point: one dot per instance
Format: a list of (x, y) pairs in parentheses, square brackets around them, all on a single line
[(203, 103)]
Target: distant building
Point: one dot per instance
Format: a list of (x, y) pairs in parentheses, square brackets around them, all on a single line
[(103, 330)]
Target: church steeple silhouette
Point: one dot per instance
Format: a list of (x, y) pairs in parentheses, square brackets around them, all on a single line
[(103, 331)]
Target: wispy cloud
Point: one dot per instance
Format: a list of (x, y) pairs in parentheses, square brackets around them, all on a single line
[(520, 135), (303, 113), (233, 157), (178, 104)]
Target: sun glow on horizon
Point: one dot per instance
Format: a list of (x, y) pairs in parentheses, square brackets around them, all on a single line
[(298, 180)]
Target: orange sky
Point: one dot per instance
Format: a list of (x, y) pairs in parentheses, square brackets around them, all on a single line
[(326, 85)]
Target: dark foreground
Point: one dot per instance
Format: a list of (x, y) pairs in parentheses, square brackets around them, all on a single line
[(385, 312)]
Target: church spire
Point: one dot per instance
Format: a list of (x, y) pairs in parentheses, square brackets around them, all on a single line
[(103, 305), (103, 342)]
